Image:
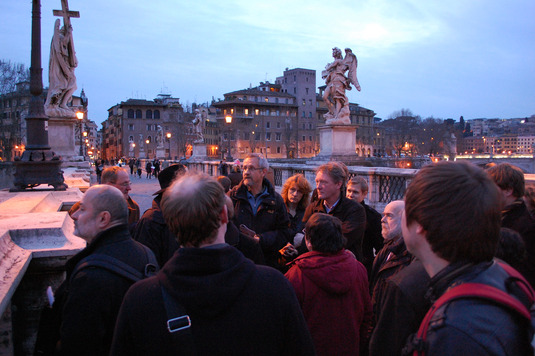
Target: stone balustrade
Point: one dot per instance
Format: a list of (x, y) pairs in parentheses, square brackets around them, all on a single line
[(384, 184)]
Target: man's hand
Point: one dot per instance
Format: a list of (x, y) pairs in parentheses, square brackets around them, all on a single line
[(247, 232), (289, 251)]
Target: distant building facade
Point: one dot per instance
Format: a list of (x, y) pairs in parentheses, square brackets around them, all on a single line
[(264, 120), (140, 128)]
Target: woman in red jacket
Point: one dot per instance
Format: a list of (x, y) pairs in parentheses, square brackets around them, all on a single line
[(332, 289)]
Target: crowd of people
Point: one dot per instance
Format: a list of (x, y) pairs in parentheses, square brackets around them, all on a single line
[(227, 267)]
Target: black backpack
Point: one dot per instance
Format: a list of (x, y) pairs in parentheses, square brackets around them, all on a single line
[(50, 321), (525, 309)]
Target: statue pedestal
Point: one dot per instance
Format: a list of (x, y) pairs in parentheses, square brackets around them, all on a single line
[(61, 138), (160, 153), (337, 143), (199, 152), (141, 153)]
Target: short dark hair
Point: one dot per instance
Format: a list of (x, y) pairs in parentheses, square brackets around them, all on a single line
[(507, 176), (192, 208), (459, 207), (225, 182), (324, 232), (511, 247), (360, 182)]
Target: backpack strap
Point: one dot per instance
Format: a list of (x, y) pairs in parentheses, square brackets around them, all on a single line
[(178, 324), (467, 290), (151, 268), (109, 263)]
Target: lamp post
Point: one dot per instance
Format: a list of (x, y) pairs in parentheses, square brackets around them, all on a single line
[(168, 135), (228, 120), (147, 142), (80, 117)]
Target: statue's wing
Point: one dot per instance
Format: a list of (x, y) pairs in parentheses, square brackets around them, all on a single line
[(351, 62)]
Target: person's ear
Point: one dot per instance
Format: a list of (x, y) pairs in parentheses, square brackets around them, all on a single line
[(224, 215)]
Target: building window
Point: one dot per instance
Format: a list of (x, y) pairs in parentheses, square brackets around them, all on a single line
[(304, 138), (278, 124), (130, 113), (278, 149), (266, 99), (310, 138), (304, 102), (256, 111), (268, 136), (130, 127), (303, 114), (131, 139), (286, 100), (148, 114), (246, 111), (278, 136), (306, 89), (303, 126), (149, 138), (268, 124), (149, 127), (138, 114), (310, 126), (267, 112), (310, 114), (295, 90)]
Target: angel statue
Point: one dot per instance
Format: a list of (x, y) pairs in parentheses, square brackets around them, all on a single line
[(337, 84), (198, 122)]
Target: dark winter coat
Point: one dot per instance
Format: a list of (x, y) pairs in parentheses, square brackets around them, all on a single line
[(353, 217), (403, 306), (90, 299), (333, 292), (517, 217), (373, 239), (271, 221), (472, 326), (152, 232), (236, 308), (392, 258)]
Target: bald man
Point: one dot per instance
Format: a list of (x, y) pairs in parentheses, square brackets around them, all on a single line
[(393, 256), (90, 298)]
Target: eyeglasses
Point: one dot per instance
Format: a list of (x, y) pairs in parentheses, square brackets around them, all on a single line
[(125, 184), (251, 168)]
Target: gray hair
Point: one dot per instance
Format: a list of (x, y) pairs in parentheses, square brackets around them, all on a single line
[(262, 161)]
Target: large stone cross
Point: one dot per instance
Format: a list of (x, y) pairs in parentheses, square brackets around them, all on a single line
[(66, 13)]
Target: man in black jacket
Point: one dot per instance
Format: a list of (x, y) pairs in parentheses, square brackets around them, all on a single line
[(515, 215), (330, 185), (259, 211), (233, 306), (89, 300), (357, 190), (452, 224)]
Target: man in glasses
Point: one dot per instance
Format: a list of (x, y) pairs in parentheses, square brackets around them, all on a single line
[(118, 177), (260, 212)]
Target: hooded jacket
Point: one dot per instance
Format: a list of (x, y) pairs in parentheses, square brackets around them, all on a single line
[(236, 308), (333, 292)]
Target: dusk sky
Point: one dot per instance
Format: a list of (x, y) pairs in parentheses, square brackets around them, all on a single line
[(443, 59)]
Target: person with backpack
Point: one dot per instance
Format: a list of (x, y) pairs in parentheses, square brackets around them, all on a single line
[(452, 224), (97, 277), (208, 299)]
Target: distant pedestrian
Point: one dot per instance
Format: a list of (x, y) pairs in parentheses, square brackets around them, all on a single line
[(148, 168), (156, 167), (131, 165), (139, 171)]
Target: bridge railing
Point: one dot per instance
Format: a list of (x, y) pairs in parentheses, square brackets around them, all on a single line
[(384, 184)]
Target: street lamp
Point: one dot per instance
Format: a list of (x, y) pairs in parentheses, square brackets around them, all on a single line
[(147, 141), (168, 135), (80, 116), (228, 120)]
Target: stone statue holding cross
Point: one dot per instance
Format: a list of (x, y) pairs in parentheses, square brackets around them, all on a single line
[(62, 81)]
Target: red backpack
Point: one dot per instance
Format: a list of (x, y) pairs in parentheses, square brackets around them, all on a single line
[(482, 291)]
